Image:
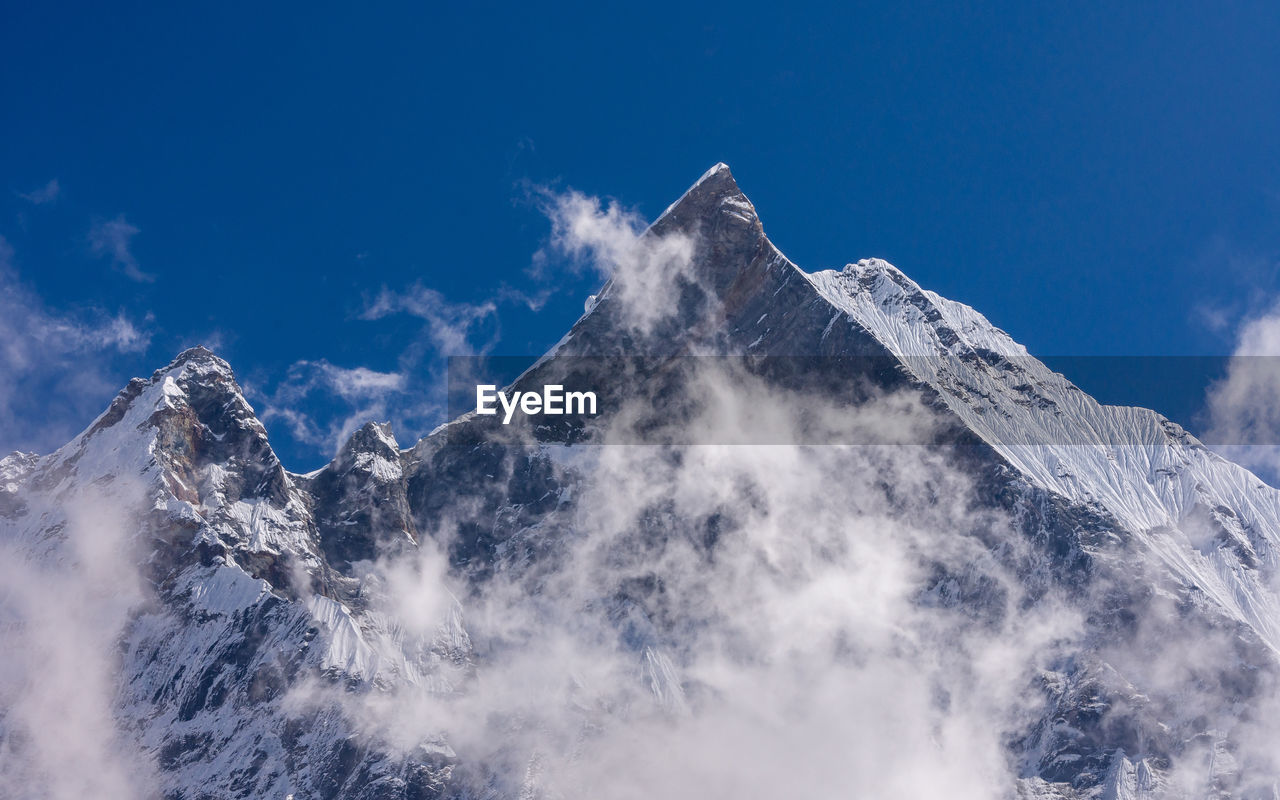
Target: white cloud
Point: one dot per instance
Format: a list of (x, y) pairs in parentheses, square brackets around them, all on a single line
[(534, 301), (45, 195), (807, 646), (855, 622), (55, 367), (363, 395), (111, 238), (65, 604), (450, 327), (322, 404), (1244, 407), (359, 382), (644, 272)]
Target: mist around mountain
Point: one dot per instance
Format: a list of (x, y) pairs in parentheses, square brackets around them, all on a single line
[(832, 535)]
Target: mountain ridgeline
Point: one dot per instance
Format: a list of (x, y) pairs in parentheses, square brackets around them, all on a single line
[(830, 535)]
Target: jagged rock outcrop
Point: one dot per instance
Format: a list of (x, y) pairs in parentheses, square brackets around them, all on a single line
[(242, 605), (361, 508), (266, 623)]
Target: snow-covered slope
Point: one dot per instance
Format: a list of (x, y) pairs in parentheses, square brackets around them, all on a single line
[(266, 634), (236, 604), (1169, 549), (1212, 522)]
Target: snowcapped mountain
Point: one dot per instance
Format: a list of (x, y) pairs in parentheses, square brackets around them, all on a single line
[(234, 552), (1045, 597)]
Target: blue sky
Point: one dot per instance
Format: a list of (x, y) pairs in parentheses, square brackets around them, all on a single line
[(323, 192)]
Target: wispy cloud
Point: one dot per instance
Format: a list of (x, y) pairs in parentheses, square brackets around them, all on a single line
[(64, 606), (587, 235), (1239, 283), (322, 404), (1244, 407), (644, 272), (450, 327), (54, 365), (712, 611), (112, 238), (45, 195)]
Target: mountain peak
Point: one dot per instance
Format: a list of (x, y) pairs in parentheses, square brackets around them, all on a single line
[(719, 170), (718, 176), (371, 438), (871, 266), (198, 351), (715, 192), (267, 584), (201, 358)]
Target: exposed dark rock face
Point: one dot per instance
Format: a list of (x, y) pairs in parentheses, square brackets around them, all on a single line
[(361, 507), (266, 585)]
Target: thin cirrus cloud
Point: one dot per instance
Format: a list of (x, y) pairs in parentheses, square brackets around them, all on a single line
[(322, 404), (449, 327), (112, 239), (55, 365), (45, 195)]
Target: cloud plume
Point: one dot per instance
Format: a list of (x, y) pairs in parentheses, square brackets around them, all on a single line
[(64, 605), (1244, 407), (741, 620), (644, 271), (112, 239)]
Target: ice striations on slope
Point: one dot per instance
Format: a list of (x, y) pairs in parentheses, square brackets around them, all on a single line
[(1215, 524)]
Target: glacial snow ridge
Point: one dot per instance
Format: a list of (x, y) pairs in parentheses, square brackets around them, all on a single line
[(1036, 611)]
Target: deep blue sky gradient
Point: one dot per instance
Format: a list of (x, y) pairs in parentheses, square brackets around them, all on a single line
[(1096, 180)]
